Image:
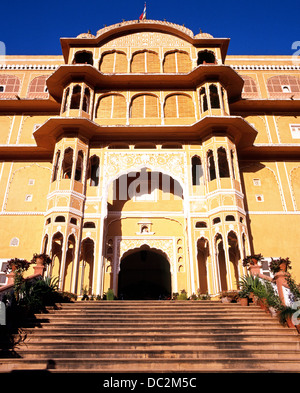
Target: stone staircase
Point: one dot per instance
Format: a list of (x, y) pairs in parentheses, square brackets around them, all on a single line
[(157, 336)]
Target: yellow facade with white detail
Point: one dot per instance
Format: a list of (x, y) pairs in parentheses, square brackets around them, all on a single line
[(148, 161)]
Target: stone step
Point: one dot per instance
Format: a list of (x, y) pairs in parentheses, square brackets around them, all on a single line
[(194, 345), (112, 324), (165, 336), (156, 314), (204, 353), (45, 335), (152, 331), (104, 365)]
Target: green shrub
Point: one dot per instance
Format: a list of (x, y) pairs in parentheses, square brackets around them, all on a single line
[(182, 295)]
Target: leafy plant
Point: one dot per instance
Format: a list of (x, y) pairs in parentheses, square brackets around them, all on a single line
[(18, 265), (275, 264), (249, 260), (285, 313), (110, 294), (249, 283), (85, 295), (182, 295), (45, 257)]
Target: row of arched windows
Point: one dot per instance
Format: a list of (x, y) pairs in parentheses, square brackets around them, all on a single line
[(115, 106), (216, 220), (145, 61), (223, 162), (11, 85), (73, 220), (63, 166)]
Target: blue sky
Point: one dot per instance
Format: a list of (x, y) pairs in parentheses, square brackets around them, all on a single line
[(256, 27)]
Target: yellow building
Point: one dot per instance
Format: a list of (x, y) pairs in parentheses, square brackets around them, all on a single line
[(146, 160)]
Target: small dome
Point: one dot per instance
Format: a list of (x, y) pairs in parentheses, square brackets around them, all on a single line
[(203, 35), (85, 35)]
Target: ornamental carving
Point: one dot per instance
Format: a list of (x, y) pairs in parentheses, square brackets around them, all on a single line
[(172, 164), (166, 245), (149, 39)]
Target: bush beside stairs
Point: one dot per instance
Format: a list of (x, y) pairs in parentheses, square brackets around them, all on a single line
[(156, 336)]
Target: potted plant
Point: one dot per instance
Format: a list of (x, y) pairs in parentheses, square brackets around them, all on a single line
[(252, 260), (182, 295), (110, 294), (41, 259), (280, 264), (243, 297), (17, 265), (229, 296), (285, 316)]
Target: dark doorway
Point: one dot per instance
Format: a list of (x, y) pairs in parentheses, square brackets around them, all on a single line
[(144, 275)]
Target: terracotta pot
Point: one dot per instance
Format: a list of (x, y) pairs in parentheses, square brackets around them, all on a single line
[(283, 267), (262, 304), (244, 301), (40, 261), (289, 322)]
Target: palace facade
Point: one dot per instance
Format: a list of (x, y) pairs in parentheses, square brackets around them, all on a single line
[(146, 160)]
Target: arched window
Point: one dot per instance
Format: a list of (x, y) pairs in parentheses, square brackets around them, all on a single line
[(66, 99), (223, 163), (37, 87), (145, 145), (203, 100), (232, 163), (67, 163), (283, 86), (14, 242), (216, 220), (111, 106), (10, 85), (211, 166), (249, 89), (113, 62), (201, 224), (56, 164), (94, 171), (60, 219), (206, 57), (179, 106), (73, 220), (83, 57), (86, 100), (89, 224), (177, 61), (214, 97), (145, 62), (229, 218), (79, 166), (76, 96), (197, 172), (145, 106)]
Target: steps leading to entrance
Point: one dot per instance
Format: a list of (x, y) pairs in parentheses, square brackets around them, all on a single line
[(144, 336)]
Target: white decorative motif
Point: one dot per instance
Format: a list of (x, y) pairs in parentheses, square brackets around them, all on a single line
[(166, 245), (171, 163)]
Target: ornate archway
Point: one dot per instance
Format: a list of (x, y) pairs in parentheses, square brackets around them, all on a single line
[(144, 275)]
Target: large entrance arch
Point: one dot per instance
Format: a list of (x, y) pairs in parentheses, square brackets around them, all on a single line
[(144, 275)]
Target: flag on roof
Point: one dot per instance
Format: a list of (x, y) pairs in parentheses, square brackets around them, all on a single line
[(143, 15)]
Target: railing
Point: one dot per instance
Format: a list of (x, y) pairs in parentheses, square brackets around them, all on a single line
[(280, 283), (9, 287)]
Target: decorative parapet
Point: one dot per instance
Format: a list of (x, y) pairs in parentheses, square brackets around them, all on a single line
[(183, 29)]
